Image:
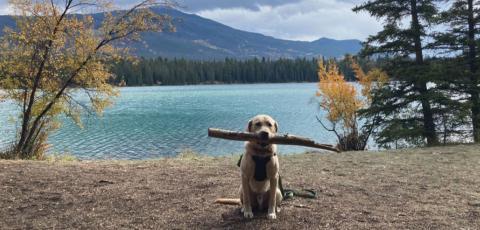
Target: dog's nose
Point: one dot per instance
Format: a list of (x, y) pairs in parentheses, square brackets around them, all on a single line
[(263, 135)]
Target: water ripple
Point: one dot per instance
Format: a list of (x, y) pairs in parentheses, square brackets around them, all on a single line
[(149, 122)]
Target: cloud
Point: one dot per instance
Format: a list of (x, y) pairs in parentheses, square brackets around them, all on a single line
[(287, 19), (196, 5), (302, 20), (5, 8)]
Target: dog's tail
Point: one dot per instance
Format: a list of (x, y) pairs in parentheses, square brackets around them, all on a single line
[(228, 201)]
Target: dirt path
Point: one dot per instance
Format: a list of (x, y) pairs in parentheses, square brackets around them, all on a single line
[(435, 188)]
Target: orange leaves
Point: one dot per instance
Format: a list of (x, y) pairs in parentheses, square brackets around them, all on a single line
[(75, 54), (342, 102), (375, 78), (338, 97)]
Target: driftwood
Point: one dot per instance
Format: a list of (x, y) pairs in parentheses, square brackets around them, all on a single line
[(285, 139), (228, 201)]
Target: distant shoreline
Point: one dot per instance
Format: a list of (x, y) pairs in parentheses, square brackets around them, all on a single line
[(220, 83)]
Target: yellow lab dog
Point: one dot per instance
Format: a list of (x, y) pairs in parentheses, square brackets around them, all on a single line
[(259, 169)]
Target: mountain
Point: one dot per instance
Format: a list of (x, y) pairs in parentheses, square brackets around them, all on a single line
[(201, 38), (6, 21)]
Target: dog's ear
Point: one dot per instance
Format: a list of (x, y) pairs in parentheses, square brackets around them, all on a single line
[(249, 127), (276, 126)]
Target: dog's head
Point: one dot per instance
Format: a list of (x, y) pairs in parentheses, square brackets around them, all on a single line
[(263, 125)]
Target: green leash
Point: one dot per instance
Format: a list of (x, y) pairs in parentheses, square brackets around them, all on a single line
[(290, 193)]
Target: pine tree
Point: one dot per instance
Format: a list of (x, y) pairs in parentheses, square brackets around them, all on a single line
[(406, 43), (462, 19)]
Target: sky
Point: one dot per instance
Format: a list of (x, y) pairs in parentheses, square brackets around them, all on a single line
[(305, 20)]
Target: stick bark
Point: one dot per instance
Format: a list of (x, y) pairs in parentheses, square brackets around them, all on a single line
[(283, 139)]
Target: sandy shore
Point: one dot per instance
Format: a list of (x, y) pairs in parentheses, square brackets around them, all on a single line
[(431, 188)]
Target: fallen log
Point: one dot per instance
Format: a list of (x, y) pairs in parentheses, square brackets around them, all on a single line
[(282, 139)]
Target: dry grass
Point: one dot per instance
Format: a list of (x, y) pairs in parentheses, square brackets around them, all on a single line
[(60, 157), (432, 188)]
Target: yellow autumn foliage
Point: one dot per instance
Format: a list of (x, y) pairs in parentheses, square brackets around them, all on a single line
[(375, 78), (55, 54), (340, 98)]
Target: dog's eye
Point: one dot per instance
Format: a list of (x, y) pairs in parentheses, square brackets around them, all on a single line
[(269, 124), (258, 124)]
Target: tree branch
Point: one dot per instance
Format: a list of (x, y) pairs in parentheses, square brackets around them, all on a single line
[(333, 129), (284, 139)]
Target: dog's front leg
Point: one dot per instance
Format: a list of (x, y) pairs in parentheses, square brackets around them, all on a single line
[(272, 202), (247, 204)]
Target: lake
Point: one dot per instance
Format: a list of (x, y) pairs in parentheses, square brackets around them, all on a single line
[(150, 122)]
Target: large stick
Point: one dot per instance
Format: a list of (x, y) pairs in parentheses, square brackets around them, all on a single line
[(284, 139)]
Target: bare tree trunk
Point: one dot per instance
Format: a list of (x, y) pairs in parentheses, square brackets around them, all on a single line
[(284, 139)]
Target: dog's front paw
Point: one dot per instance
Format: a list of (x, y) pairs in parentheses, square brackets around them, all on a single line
[(248, 214), (271, 216)]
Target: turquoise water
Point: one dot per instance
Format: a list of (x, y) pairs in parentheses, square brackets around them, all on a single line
[(149, 122)]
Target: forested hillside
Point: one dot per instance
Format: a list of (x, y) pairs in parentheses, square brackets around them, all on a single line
[(164, 71)]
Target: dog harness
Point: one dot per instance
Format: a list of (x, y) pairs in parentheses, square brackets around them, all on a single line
[(287, 193), (260, 167)]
